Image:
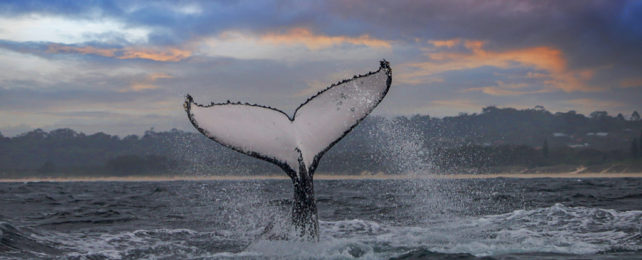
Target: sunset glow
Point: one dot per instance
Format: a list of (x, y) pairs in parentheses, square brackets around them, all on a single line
[(67, 58)]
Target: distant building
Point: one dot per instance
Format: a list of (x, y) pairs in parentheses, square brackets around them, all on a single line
[(559, 135), (601, 134)]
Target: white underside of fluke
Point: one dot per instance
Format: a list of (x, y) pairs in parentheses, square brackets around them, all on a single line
[(317, 124)]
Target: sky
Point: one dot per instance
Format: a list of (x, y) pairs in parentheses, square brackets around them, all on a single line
[(123, 67)]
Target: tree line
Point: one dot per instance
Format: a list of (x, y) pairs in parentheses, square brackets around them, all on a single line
[(497, 139)]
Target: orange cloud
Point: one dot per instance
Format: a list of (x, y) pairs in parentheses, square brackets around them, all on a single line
[(146, 83), (318, 41), (170, 54), (139, 87), (535, 75), (506, 89), (497, 91), (632, 82), (57, 48), (541, 58), (403, 78), (445, 43)]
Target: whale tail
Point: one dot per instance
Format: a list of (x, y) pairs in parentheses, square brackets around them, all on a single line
[(297, 143)]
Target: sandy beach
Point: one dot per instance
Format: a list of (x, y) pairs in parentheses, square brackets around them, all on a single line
[(322, 176)]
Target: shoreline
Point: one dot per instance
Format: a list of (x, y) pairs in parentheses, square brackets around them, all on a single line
[(326, 177)]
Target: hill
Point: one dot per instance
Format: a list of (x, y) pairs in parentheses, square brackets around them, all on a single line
[(495, 140)]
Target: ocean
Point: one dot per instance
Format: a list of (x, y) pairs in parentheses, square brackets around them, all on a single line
[(496, 218)]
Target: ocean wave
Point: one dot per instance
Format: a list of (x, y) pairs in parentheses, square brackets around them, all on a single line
[(138, 244), (557, 230), (19, 243)]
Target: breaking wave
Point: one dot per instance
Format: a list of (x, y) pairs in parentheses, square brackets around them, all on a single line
[(556, 229)]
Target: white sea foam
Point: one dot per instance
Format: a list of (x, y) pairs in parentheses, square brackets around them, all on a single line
[(555, 229)]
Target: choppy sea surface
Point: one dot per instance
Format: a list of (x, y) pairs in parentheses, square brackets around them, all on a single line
[(545, 218)]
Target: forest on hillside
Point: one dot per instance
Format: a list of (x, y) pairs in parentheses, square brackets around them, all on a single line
[(495, 140)]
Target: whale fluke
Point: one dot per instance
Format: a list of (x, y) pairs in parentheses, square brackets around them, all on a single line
[(296, 144)]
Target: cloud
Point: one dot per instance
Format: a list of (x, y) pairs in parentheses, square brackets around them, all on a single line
[(58, 48), (297, 44), (536, 75), (147, 83), (167, 54), (66, 57), (445, 43), (67, 30), (497, 91), (155, 54), (542, 59), (315, 85), (631, 82), (506, 89), (411, 79), (319, 41)]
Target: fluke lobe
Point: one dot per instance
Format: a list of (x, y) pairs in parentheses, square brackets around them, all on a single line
[(297, 143)]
